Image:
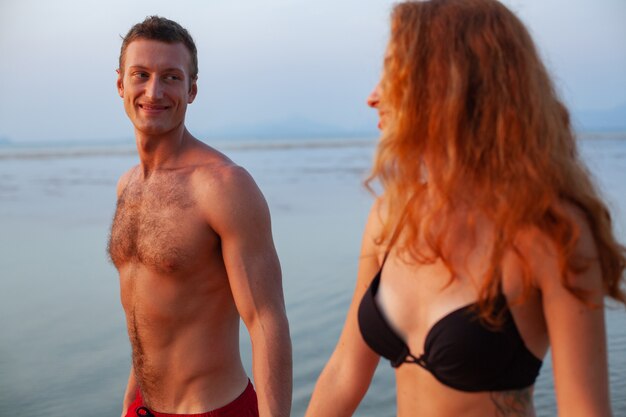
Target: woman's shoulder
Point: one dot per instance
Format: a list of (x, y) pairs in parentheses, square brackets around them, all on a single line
[(538, 241), (373, 242), (549, 258)]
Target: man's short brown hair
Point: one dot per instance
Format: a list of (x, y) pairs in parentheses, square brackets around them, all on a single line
[(158, 28)]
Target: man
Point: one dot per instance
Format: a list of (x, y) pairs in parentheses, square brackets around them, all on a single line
[(192, 242)]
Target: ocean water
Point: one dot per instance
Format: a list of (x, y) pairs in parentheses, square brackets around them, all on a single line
[(63, 343)]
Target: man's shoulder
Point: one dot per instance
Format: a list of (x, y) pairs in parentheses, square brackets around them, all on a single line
[(215, 177), (212, 167), (223, 176), (124, 179)]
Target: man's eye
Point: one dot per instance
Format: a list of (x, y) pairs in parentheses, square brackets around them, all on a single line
[(140, 75), (172, 78)]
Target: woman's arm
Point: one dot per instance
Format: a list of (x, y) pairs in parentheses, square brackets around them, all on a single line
[(576, 330), (348, 373)]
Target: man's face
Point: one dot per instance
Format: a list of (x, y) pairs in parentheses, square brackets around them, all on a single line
[(156, 86)]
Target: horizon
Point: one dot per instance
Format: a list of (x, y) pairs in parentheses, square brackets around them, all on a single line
[(248, 141)]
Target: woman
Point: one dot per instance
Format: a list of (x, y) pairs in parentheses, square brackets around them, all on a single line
[(489, 243)]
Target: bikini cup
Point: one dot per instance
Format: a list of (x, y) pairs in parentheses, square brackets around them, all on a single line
[(459, 349)]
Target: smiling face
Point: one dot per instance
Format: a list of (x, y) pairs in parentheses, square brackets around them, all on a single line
[(156, 85)]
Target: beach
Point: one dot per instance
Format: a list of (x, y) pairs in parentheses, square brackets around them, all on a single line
[(64, 348)]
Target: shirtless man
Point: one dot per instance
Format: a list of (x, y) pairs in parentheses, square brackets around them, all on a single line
[(192, 242)]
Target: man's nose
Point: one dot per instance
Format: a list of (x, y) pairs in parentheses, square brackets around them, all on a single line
[(154, 89)]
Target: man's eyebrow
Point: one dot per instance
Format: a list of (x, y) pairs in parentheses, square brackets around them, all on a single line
[(141, 67)]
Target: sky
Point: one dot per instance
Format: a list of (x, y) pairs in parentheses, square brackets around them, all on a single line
[(262, 63)]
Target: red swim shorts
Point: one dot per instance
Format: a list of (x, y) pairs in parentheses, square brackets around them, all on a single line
[(243, 406)]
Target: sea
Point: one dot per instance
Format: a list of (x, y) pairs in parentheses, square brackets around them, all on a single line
[(63, 344)]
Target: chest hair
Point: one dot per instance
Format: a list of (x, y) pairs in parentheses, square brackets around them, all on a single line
[(149, 223)]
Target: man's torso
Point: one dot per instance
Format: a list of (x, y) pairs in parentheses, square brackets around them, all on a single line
[(181, 318)]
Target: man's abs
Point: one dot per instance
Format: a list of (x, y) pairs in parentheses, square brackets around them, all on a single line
[(185, 340)]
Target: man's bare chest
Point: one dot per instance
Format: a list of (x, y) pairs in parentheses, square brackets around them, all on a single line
[(158, 226)]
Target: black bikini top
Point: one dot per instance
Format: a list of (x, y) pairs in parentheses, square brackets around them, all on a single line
[(459, 350)]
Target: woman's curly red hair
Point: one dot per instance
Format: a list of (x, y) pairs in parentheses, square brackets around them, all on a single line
[(472, 101)]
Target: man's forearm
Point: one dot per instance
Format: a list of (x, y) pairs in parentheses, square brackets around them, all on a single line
[(272, 366), (130, 392)]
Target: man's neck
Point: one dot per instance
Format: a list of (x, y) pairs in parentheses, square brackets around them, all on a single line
[(161, 151)]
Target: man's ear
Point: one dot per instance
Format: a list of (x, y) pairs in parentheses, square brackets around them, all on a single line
[(193, 91), (120, 83)]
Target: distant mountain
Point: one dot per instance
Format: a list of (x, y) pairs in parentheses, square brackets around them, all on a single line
[(610, 120), (295, 127), (299, 127)]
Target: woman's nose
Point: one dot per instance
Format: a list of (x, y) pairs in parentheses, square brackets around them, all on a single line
[(374, 98)]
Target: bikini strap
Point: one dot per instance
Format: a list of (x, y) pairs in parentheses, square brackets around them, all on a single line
[(394, 237), (385, 258)]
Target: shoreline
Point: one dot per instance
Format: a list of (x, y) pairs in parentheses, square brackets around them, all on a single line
[(82, 149)]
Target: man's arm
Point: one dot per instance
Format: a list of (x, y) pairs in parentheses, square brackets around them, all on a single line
[(131, 386), (242, 220), (131, 391)]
